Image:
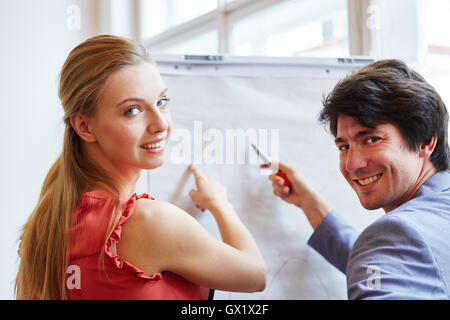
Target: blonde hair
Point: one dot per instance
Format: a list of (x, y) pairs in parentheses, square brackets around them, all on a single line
[(44, 238)]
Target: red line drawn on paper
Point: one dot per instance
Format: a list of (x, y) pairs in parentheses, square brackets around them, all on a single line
[(285, 263)]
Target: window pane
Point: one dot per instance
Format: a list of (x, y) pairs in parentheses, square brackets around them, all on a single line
[(205, 43), (437, 22), (159, 15), (437, 59), (294, 28)]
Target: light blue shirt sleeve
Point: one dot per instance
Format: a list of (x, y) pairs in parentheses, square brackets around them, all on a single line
[(334, 239)]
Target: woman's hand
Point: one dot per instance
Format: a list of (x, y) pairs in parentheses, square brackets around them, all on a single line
[(210, 193)]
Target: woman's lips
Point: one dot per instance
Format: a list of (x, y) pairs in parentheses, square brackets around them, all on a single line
[(154, 147)]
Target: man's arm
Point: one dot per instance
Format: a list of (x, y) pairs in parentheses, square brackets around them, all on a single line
[(391, 260), (300, 193), (334, 239)]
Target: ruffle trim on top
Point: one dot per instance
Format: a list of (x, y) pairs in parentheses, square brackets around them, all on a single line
[(128, 206)]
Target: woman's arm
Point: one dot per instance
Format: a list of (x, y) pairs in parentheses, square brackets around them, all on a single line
[(161, 237)]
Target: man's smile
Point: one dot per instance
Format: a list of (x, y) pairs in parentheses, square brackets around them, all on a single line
[(368, 180)]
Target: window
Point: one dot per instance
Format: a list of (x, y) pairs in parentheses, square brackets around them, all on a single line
[(412, 30), (159, 15), (246, 27), (293, 28), (437, 53), (204, 43)]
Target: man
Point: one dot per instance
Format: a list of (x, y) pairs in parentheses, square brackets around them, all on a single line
[(391, 129)]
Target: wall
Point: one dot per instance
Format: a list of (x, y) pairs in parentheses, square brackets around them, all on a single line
[(36, 37)]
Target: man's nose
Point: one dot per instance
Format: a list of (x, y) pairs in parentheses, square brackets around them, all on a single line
[(355, 160)]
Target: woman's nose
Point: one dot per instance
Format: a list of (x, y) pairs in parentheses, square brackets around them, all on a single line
[(157, 121)]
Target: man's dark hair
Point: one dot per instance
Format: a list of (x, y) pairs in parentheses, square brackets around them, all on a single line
[(388, 91)]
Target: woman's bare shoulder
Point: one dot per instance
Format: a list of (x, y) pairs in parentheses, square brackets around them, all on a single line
[(158, 219), (147, 233), (156, 210)]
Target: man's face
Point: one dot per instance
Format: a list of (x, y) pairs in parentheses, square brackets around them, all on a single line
[(377, 163)]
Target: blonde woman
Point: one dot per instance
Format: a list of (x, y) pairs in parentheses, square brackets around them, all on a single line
[(91, 236)]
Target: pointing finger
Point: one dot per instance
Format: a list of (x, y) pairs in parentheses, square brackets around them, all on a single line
[(196, 172)]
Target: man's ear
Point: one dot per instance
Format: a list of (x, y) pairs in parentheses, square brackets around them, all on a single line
[(427, 148), (80, 124)]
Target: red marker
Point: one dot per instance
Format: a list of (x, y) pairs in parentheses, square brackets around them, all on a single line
[(268, 163)]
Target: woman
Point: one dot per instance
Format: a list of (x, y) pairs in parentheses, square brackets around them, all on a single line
[(90, 236)]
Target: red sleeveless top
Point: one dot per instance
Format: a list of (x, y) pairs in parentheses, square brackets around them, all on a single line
[(117, 279)]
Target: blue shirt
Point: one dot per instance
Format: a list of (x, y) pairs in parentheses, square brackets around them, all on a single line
[(403, 255)]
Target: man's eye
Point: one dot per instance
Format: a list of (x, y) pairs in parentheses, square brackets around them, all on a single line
[(162, 102), (132, 111), (343, 147), (373, 139)]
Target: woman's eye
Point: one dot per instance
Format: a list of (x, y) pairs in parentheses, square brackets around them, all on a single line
[(132, 111), (162, 102)]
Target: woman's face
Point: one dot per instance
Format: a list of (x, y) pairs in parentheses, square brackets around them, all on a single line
[(132, 120)]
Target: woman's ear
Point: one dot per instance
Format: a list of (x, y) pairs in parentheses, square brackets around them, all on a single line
[(80, 124), (427, 148)]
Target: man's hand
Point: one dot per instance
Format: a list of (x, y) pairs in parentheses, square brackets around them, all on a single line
[(300, 193)]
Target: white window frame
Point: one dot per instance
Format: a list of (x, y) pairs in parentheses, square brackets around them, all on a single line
[(375, 42), (219, 19)]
